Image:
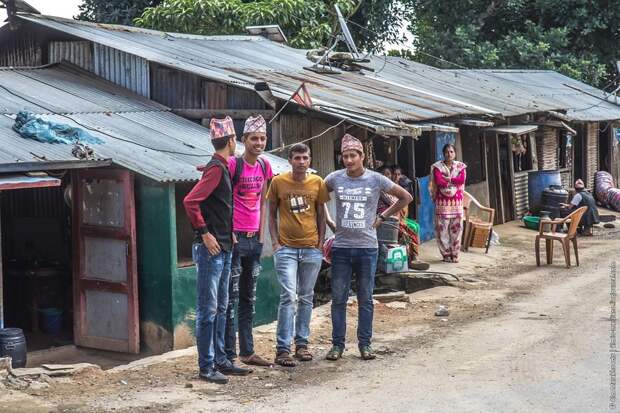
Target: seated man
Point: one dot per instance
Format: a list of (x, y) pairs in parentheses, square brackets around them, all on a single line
[(583, 198)]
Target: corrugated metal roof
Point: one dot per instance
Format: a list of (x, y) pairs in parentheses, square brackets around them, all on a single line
[(65, 89), (581, 101), (508, 92), (492, 94), (398, 89), (244, 60), (138, 134)]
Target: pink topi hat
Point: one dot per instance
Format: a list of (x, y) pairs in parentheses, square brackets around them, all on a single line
[(221, 128)]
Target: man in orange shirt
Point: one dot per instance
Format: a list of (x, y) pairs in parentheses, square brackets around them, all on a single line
[(297, 227)]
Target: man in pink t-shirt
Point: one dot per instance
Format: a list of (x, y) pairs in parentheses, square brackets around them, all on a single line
[(250, 177)]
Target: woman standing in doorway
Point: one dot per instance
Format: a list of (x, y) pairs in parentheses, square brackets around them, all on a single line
[(447, 186)]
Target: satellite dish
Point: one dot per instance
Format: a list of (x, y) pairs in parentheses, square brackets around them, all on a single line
[(346, 33)]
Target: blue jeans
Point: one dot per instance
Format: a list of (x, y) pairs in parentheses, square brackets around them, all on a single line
[(297, 270), (242, 293), (213, 276), (345, 261)]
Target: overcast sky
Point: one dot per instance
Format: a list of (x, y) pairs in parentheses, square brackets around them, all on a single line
[(62, 8)]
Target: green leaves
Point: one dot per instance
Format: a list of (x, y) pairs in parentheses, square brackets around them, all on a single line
[(576, 37), (113, 11), (306, 23)]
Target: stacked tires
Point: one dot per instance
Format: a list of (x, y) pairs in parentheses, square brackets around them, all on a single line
[(605, 191)]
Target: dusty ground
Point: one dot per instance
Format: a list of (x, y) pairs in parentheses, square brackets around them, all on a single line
[(490, 288)]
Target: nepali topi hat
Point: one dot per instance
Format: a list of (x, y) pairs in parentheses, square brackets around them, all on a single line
[(351, 142), (255, 124), (221, 128)]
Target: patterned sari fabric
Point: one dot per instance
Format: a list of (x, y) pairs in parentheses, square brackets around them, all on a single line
[(447, 188), (406, 236), (448, 233)]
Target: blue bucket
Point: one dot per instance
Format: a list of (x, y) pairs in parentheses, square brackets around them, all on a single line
[(50, 320)]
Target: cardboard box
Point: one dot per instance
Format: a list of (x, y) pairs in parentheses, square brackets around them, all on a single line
[(392, 258)]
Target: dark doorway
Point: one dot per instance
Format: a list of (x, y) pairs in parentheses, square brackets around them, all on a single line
[(36, 258), (579, 164), (493, 172), (604, 148), (506, 174)]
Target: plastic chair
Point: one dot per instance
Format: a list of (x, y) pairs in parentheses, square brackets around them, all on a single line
[(565, 239), (475, 222)]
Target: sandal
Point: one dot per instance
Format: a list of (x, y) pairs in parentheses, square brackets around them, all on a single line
[(367, 353), (447, 259), (284, 359), (256, 360), (334, 354), (302, 354)]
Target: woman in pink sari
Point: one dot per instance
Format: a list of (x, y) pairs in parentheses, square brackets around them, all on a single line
[(447, 187)]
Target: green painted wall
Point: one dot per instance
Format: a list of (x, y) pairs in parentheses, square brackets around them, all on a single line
[(167, 293), (267, 293), (156, 262), (184, 294)]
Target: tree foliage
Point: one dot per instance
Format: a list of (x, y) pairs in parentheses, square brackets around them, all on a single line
[(579, 38), (306, 23), (113, 11)]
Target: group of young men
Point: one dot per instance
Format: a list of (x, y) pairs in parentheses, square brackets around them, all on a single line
[(228, 211)]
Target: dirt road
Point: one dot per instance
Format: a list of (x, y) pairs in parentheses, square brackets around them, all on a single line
[(548, 353), (518, 338)]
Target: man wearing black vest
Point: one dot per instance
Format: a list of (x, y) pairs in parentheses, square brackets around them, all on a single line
[(209, 206)]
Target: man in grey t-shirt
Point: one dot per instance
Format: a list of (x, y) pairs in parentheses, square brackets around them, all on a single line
[(356, 200), (355, 246)]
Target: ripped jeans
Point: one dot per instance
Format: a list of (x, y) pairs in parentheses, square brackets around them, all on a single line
[(245, 269)]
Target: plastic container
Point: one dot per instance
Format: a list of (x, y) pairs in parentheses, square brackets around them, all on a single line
[(551, 199), (387, 233), (50, 320), (13, 344), (537, 181), (531, 221)]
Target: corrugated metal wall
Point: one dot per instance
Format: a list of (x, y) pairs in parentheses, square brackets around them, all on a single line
[(293, 128), (78, 53), (591, 153), (547, 148), (323, 147), (128, 71), (175, 89), (566, 178), (521, 196), (21, 50)]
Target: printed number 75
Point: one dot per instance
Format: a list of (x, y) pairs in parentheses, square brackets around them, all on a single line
[(358, 210)]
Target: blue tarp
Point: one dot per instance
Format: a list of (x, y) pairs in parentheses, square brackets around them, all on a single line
[(30, 126), (426, 210)]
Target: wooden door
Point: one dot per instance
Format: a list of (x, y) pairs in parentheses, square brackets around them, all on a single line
[(105, 269), (494, 177)]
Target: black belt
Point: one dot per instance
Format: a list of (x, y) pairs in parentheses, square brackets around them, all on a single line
[(246, 234)]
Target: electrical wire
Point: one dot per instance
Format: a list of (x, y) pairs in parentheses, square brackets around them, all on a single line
[(280, 149)]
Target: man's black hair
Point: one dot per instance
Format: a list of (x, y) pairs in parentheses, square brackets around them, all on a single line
[(220, 143), (298, 148)]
